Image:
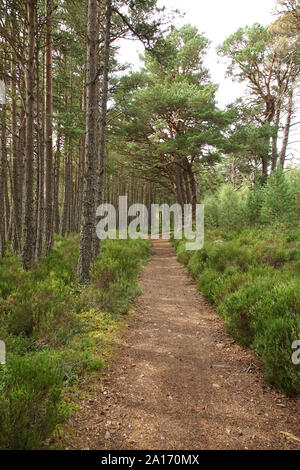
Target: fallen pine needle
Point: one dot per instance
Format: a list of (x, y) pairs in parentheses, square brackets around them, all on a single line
[(288, 434)]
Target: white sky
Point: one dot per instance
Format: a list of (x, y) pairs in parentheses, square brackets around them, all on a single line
[(217, 19)]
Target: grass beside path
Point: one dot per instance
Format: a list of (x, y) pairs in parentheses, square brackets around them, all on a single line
[(57, 333), (252, 276)]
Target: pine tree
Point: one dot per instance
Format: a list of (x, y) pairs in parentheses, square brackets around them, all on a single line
[(278, 204), (254, 203)]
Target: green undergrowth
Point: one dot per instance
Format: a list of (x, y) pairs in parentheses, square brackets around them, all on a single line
[(253, 278), (57, 332)]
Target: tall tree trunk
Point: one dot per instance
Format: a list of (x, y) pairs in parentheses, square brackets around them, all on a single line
[(80, 184), (178, 187), (3, 176), (6, 196), (27, 251), (287, 128), (21, 152), (194, 196), (275, 140), (66, 196), (270, 110), (88, 216), (16, 239), (56, 186), (40, 203), (48, 226), (71, 222), (65, 201), (103, 103)]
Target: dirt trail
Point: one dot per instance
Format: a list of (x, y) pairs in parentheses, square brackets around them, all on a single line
[(179, 381)]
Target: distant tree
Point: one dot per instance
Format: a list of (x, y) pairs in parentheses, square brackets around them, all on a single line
[(269, 70), (169, 118), (278, 201), (286, 33)]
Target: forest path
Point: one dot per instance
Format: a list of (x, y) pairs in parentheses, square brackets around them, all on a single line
[(179, 381)]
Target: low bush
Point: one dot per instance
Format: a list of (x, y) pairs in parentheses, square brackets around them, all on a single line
[(276, 321), (56, 331), (30, 403), (236, 307), (251, 276)]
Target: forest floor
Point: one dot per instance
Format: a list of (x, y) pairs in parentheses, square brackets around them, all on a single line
[(179, 381)]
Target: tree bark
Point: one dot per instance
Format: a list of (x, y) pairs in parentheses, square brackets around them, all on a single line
[(287, 128), (48, 226), (40, 121), (275, 140), (3, 174), (66, 196), (56, 185), (88, 216), (15, 190), (103, 105), (27, 251), (194, 196), (178, 187), (21, 153)]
